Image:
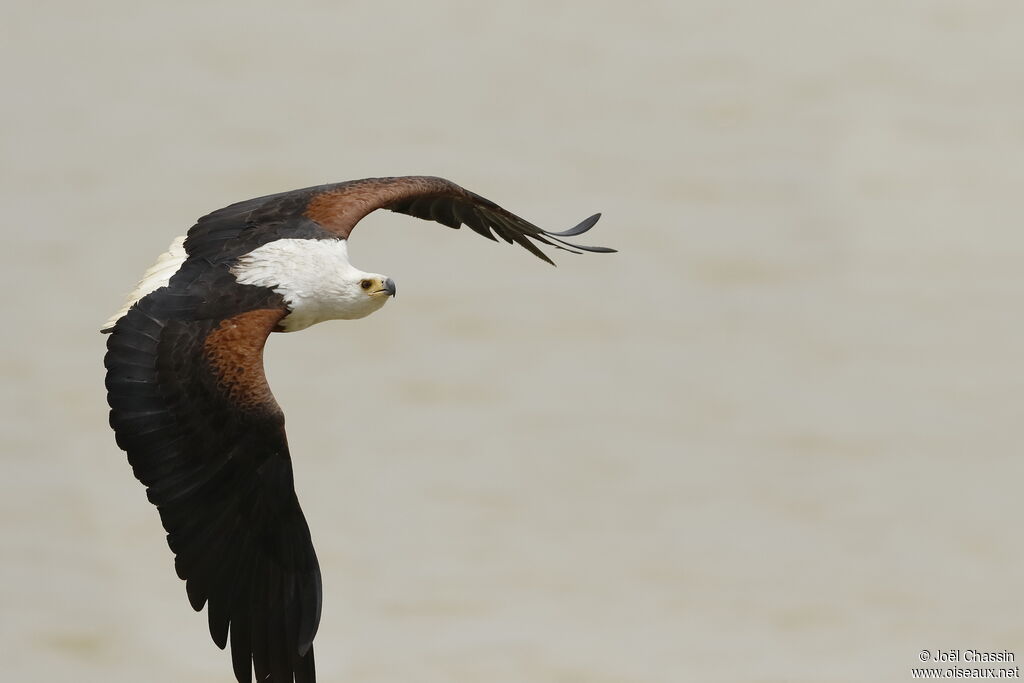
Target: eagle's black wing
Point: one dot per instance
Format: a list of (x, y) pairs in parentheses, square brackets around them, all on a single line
[(190, 404), (332, 211), (337, 208)]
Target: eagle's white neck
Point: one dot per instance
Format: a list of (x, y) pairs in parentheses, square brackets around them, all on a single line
[(315, 278)]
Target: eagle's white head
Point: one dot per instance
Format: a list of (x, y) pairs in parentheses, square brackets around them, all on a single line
[(316, 280)]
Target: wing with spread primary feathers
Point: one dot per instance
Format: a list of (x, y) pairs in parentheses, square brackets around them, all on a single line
[(339, 207), (191, 406), (333, 211)]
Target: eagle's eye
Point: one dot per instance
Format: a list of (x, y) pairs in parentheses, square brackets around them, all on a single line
[(366, 284)]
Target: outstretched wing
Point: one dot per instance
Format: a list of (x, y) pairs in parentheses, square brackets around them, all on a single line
[(339, 207), (333, 210), (191, 406)]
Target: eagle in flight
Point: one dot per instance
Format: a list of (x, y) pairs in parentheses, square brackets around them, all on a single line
[(190, 403)]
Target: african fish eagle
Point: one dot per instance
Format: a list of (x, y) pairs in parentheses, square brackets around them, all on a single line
[(190, 404)]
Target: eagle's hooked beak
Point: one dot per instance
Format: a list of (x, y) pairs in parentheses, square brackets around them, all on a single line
[(389, 287)]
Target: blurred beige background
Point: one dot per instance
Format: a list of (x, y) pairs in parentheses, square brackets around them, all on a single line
[(776, 438)]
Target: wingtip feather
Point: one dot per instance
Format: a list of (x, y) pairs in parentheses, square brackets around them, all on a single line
[(578, 229)]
